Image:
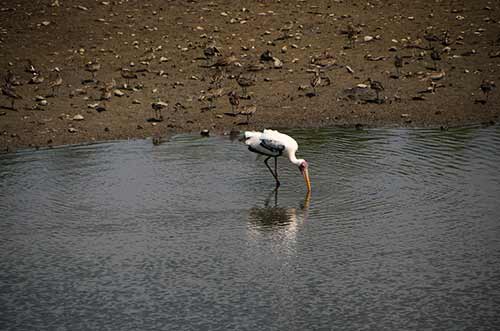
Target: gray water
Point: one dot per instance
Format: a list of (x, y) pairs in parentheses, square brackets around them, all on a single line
[(402, 232)]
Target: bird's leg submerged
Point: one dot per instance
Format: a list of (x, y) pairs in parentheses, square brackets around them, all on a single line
[(275, 174)]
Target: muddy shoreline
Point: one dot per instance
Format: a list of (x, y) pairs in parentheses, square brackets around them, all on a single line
[(162, 44)]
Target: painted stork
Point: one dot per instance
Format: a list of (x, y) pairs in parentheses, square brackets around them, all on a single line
[(272, 143)]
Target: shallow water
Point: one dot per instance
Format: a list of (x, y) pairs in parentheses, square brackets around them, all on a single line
[(402, 232)]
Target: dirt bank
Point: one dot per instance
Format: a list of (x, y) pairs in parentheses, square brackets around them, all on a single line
[(163, 42)]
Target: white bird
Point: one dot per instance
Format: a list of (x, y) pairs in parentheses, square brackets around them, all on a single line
[(272, 143)]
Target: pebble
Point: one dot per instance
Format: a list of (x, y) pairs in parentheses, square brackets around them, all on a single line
[(277, 64), (118, 93), (72, 130), (367, 38), (43, 102), (78, 117), (438, 76), (205, 133)]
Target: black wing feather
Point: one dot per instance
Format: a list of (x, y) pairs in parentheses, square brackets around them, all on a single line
[(272, 146)]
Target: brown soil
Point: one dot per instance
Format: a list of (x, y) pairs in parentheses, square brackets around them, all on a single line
[(66, 35)]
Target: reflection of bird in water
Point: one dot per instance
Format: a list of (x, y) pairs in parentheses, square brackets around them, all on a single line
[(272, 216), (272, 143)]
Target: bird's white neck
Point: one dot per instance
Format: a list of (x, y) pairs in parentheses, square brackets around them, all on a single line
[(294, 160)]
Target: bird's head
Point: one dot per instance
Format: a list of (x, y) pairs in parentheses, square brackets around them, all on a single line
[(304, 169)]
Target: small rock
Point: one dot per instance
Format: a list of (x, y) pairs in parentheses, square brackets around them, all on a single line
[(43, 102), (367, 38), (277, 64), (72, 130), (78, 117), (39, 98), (438, 76), (118, 93), (92, 105), (136, 102), (205, 133)]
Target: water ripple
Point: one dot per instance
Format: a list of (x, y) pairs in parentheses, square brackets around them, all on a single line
[(401, 231)]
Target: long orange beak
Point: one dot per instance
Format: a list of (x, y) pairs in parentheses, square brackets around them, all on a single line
[(305, 173)]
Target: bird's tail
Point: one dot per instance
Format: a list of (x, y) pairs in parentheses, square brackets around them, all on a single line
[(252, 137), (251, 134)]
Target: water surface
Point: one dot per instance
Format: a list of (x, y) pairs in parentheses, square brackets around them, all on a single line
[(402, 232)]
